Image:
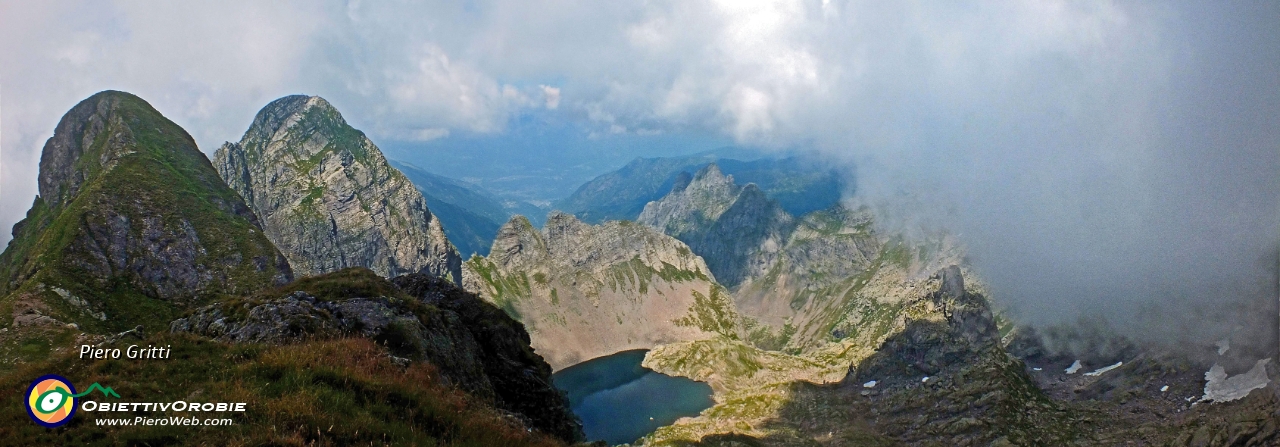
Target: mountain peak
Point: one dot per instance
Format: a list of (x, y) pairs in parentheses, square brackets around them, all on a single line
[(702, 199), (724, 223), (129, 205), (562, 225), (288, 111), (108, 117), (711, 175), (329, 198)]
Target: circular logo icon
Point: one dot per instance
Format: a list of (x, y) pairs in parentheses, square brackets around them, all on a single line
[(51, 401)]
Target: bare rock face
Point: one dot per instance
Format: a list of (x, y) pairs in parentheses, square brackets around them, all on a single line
[(132, 222), (737, 229), (585, 291), (693, 203), (329, 199)]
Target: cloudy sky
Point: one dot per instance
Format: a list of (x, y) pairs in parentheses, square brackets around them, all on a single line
[(1083, 148)]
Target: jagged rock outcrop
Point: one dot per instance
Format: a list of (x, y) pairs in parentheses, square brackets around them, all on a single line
[(521, 379), (737, 229), (418, 317), (808, 281), (825, 254), (926, 347), (585, 291), (328, 198), (694, 203), (132, 223), (836, 275)]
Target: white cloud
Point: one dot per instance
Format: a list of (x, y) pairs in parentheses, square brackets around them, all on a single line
[(552, 96), (427, 134)]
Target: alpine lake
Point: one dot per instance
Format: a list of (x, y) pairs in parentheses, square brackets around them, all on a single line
[(620, 401)]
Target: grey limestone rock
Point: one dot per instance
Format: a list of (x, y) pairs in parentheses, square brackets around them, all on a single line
[(329, 199), (736, 229)]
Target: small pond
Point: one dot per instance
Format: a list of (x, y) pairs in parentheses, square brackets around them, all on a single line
[(620, 401)]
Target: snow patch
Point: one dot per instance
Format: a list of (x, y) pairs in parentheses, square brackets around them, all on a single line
[(1074, 368), (1164, 388), (1221, 388), (925, 379), (1223, 345), (1103, 370), (871, 384)]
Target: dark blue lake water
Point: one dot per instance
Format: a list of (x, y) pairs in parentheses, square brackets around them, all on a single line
[(620, 401)]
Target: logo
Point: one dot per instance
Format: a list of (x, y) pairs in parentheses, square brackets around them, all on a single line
[(51, 399)]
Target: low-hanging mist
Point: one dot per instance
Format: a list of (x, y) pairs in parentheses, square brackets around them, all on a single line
[(1137, 181)]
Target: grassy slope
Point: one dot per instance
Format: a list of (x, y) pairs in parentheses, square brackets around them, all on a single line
[(336, 392)]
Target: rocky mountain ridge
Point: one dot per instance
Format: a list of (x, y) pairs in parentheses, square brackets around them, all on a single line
[(585, 291), (135, 229), (737, 229), (132, 222), (328, 198), (800, 184), (836, 332)]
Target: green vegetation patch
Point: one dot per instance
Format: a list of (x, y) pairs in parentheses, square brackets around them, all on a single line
[(336, 392), (342, 284), (714, 312)]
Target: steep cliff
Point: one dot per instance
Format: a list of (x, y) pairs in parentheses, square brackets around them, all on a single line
[(328, 198), (132, 224), (585, 291)]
